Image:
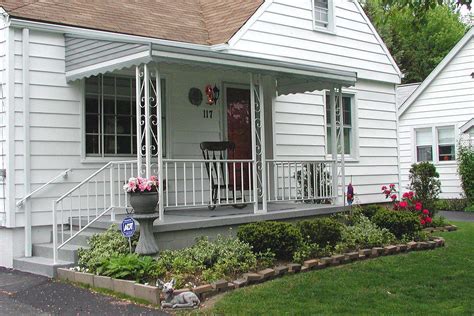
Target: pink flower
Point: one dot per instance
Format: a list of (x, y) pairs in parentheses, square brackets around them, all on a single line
[(403, 204), (393, 197), (405, 195), (411, 194), (392, 186), (384, 188), (418, 206), (426, 212), (422, 222), (428, 220), (387, 192)]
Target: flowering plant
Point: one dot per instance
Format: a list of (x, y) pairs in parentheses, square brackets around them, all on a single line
[(408, 202), (139, 184)]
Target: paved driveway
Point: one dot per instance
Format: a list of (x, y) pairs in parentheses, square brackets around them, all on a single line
[(458, 216), (28, 294)]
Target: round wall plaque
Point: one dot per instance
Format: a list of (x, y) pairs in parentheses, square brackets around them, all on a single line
[(195, 96)]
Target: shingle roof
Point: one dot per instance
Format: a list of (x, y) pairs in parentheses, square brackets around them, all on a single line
[(404, 91), (206, 22)]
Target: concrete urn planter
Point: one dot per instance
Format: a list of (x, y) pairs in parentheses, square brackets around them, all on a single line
[(144, 205)]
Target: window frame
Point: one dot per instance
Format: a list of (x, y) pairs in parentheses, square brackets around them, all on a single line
[(86, 158), (330, 28), (354, 149), (437, 128), (429, 130), (435, 143)]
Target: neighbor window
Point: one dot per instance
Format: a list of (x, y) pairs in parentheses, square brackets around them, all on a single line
[(348, 125), (110, 116), (322, 14), (424, 144), (446, 144)]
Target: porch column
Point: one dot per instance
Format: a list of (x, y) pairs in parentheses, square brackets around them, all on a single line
[(259, 170), (332, 104), (342, 145)]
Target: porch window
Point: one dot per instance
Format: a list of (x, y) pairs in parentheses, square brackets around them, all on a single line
[(446, 144), (424, 145), (110, 116), (322, 14), (347, 128)]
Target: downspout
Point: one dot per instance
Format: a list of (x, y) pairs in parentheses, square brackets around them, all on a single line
[(26, 136)]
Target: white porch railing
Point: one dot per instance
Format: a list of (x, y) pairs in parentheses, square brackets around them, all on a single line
[(300, 180), (188, 182), (91, 199)]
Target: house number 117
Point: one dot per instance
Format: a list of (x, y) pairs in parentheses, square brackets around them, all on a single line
[(207, 114)]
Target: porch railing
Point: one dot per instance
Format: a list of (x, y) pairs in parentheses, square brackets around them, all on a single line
[(188, 182), (292, 180), (97, 195)]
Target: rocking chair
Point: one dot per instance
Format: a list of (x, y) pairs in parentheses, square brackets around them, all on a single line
[(216, 172)]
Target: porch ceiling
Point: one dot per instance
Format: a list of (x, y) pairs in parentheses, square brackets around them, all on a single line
[(87, 57)]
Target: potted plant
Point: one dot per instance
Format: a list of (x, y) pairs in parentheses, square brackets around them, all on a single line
[(143, 194)]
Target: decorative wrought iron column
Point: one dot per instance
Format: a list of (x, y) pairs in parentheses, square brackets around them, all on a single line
[(259, 171), (149, 127)]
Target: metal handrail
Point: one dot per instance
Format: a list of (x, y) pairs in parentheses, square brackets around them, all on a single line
[(62, 174)]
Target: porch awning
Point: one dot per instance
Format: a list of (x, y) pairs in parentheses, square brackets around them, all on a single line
[(88, 57)]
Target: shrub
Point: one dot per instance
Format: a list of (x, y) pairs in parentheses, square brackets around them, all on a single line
[(321, 231), (439, 221), (364, 234), (103, 246), (130, 267), (469, 208), (451, 205), (400, 223), (311, 251), (424, 181), (207, 260), (368, 210), (466, 170), (281, 238)]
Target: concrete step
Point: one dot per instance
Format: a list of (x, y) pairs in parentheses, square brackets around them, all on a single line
[(40, 265), (67, 253), (80, 240)]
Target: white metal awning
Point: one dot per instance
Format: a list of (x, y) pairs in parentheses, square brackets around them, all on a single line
[(88, 57)]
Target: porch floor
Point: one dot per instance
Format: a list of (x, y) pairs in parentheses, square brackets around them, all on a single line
[(202, 217)]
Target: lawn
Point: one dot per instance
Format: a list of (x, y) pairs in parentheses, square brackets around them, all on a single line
[(437, 281)]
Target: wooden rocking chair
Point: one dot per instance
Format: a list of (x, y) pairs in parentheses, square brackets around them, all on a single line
[(212, 152)]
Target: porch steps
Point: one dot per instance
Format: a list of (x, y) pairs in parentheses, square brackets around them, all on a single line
[(67, 253), (40, 265)]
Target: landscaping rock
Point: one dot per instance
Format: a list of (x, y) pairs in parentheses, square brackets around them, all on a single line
[(451, 228), (281, 270), (148, 293), (412, 245), (423, 245), (321, 265), (390, 250), (377, 251), (326, 260), (230, 286), (66, 274), (103, 282), (304, 269), (310, 263), (431, 244), (198, 290), (84, 278), (362, 257), (337, 259), (352, 256), (402, 247), (267, 273), (252, 277), (365, 252), (124, 286), (240, 283), (220, 285), (294, 267)]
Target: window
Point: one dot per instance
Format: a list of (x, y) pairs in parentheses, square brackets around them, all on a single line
[(424, 145), (348, 126), (322, 14), (446, 144), (110, 114)]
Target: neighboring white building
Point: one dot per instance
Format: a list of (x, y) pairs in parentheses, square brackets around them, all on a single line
[(434, 115), (69, 78)]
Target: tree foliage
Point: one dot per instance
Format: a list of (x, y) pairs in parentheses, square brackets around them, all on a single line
[(466, 170), (418, 37)]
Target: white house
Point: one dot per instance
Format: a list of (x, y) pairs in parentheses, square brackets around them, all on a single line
[(435, 114), (75, 74)]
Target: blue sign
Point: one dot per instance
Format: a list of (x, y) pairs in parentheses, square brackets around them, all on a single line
[(128, 227)]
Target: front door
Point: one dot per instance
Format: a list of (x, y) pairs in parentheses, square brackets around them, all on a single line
[(239, 129)]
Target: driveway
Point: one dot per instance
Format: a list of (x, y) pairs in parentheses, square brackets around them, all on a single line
[(28, 294), (458, 216)]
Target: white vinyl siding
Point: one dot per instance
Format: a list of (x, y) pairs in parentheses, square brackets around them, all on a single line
[(447, 102)]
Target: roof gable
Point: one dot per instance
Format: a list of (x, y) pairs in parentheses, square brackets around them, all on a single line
[(432, 76), (467, 126), (204, 22), (404, 91)]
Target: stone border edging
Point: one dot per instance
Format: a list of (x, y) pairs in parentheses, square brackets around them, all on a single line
[(447, 228), (152, 294)]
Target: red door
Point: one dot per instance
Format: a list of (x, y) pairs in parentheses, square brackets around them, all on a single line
[(239, 130)]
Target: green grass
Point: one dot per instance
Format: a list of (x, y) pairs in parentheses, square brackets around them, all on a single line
[(439, 281)]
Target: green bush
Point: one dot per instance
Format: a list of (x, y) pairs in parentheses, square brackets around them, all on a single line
[(469, 208), (103, 246), (466, 170), (439, 221), (451, 205), (364, 234), (403, 224), (424, 181), (130, 267), (368, 210), (321, 231), (283, 239), (207, 260), (311, 251)]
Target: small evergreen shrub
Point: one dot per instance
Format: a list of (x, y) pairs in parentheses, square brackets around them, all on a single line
[(364, 234), (104, 246), (402, 224), (424, 181), (466, 171), (321, 231), (283, 239), (130, 267), (311, 251)]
